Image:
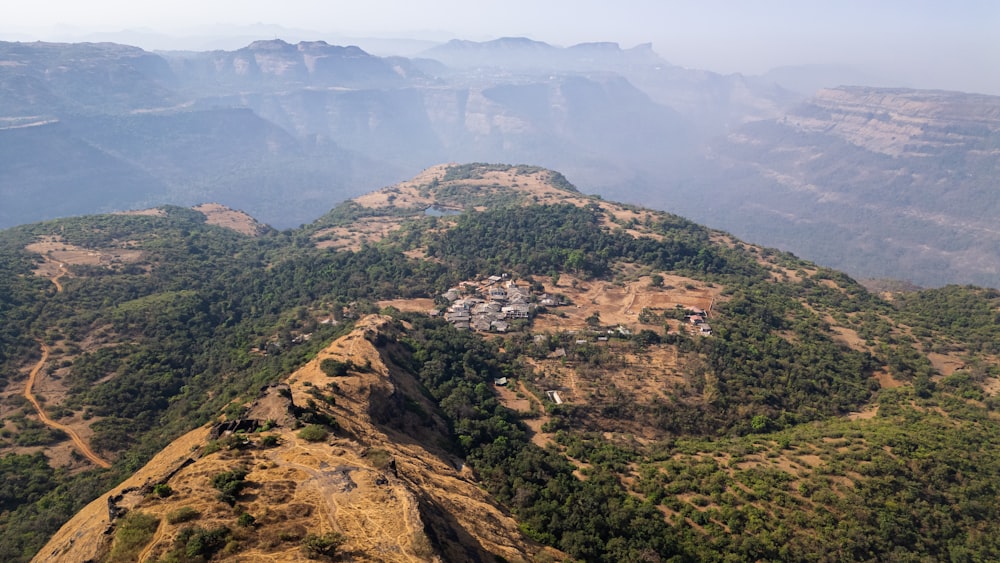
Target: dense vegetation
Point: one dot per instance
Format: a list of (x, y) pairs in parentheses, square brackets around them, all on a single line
[(170, 341), (756, 461), (567, 238), (594, 519)]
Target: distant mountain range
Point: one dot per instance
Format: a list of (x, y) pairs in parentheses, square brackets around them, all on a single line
[(878, 182), (281, 130)]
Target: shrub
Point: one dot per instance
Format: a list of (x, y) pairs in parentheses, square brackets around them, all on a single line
[(229, 484), (379, 458), (133, 532), (322, 546), (182, 514), (334, 368), (162, 490), (246, 520), (313, 433), (198, 542)]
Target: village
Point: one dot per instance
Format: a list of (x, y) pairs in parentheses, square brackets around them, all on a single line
[(493, 303)]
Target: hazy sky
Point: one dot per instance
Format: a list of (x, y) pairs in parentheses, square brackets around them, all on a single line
[(951, 44)]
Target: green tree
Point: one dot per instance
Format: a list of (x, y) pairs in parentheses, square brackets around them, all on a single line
[(314, 433), (594, 320), (323, 546)]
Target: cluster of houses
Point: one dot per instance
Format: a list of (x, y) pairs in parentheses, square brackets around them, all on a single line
[(494, 302), (697, 321)]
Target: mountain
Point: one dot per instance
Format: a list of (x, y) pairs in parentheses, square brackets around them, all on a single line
[(479, 362), (49, 79), (319, 114), (384, 483), (275, 64), (520, 53), (879, 182), (710, 101)]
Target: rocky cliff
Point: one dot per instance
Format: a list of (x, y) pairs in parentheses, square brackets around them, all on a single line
[(878, 182), (903, 123)]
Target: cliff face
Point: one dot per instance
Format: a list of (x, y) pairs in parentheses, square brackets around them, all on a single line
[(877, 182), (379, 479), (903, 123)]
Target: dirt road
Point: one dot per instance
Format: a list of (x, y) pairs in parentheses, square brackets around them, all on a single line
[(55, 278), (77, 441)]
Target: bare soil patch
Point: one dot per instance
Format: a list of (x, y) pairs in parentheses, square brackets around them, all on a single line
[(59, 254), (352, 237), (991, 386), (417, 305), (886, 380), (405, 194), (810, 459), (222, 216), (947, 364), (152, 212), (510, 399), (849, 337), (620, 304), (416, 193), (867, 413)]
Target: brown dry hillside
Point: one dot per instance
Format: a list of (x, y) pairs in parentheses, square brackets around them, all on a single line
[(222, 216), (393, 497)]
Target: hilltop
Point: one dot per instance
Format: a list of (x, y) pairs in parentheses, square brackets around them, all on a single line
[(656, 388)]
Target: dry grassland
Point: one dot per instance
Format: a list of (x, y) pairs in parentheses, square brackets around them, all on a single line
[(369, 481), (222, 216)]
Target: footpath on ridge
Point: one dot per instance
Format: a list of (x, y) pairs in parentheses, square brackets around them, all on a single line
[(30, 396)]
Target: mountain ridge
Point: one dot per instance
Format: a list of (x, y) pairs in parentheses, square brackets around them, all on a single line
[(296, 127), (377, 488)]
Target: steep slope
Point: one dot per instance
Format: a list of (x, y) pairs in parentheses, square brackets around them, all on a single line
[(52, 79), (879, 182), (275, 64), (51, 172), (390, 496), (711, 102)]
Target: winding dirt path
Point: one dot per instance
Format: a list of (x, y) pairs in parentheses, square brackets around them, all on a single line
[(157, 536), (52, 269), (77, 441), (55, 279), (628, 308), (33, 376)]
